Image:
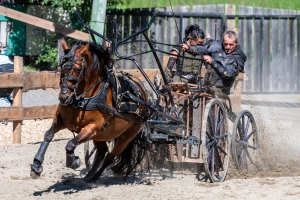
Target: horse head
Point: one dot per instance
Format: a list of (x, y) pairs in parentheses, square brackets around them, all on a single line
[(82, 68)]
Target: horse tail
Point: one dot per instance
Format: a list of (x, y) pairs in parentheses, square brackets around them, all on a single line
[(131, 158)]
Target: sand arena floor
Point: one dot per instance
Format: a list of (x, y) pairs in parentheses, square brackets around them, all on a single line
[(277, 175)]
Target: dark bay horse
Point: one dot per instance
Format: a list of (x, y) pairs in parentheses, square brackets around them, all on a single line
[(98, 105)]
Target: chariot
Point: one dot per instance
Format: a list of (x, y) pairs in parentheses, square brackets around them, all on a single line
[(191, 125)]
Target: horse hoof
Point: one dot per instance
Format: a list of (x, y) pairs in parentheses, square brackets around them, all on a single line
[(34, 175), (76, 163), (73, 161), (36, 171)]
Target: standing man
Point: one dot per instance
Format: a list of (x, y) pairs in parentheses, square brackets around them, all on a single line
[(219, 79)]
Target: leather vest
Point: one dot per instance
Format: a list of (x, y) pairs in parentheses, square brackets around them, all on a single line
[(189, 64)]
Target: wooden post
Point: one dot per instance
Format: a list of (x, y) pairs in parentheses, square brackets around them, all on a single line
[(17, 101), (230, 10)]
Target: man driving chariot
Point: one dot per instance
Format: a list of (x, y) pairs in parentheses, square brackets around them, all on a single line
[(222, 62)]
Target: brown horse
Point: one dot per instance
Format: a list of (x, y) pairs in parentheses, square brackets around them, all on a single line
[(98, 105)]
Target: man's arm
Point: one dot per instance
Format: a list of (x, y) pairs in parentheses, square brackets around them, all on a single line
[(240, 59), (225, 67), (170, 64)]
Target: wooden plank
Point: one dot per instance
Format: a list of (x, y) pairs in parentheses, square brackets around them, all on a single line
[(241, 29), (41, 80), (203, 24), (220, 31), (11, 113), (11, 80), (248, 50), (283, 53), (19, 113), (39, 22), (143, 45), (298, 52), (157, 35), (242, 33), (150, 73), (257, 81), (292, 69), (230, 10), (185, 21), (119, 35), (109, 28), (275, 52), (211, 22), (18, 68), (135, 45), (126, 32), (267, 53), (30, 80), (39, 112), (196, 20)]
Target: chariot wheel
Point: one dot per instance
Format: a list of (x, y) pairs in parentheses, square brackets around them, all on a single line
[(215, 141), (244, 140)]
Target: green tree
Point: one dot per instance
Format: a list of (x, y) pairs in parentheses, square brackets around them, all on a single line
[(50, 51)]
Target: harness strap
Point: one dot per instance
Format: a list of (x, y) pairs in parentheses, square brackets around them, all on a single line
[(86, 91), (114, 112)]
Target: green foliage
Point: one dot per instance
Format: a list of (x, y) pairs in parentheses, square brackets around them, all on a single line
[(30, 68), (83, 6), (48, 55)]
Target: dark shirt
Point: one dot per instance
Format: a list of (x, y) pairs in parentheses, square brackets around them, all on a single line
[(223, 76)]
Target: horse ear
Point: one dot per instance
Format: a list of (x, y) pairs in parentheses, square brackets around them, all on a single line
[(84, 49), (64, 45)]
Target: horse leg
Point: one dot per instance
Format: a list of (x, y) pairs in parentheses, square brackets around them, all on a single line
[(73, 161), (108, 160), (101, 151), (121, 143), (36, 167)]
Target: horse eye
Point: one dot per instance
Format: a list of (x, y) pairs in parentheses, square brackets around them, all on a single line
[(77, 70)]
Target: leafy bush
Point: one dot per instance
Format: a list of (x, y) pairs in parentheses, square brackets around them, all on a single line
[(30, 68), (49, 55)]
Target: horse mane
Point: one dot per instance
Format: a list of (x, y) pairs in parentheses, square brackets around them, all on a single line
[(98, 53)]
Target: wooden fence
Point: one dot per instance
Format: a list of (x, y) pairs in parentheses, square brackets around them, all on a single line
[(23, 82), (269, 37)]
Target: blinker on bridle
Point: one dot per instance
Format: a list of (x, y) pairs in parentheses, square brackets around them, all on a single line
[(67, 67), (65, 76)]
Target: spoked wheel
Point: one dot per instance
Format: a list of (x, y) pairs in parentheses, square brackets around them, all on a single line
[(244, 140), (215, 141)]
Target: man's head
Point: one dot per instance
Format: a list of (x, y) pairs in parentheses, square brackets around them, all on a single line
[(230, 41), (194, 35)]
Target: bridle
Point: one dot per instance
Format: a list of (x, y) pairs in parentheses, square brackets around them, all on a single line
[(68, 63)]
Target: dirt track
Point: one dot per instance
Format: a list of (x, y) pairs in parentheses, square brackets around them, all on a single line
[(277, 176)]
